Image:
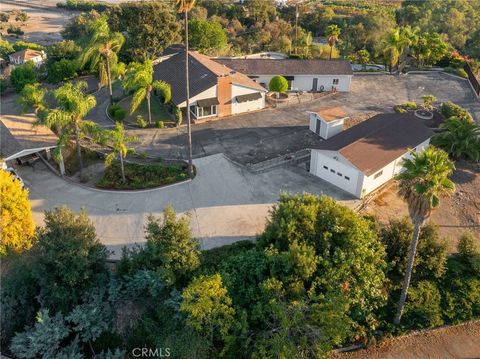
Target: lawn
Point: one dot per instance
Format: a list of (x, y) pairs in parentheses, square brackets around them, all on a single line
[(142, 176), (159, 111)]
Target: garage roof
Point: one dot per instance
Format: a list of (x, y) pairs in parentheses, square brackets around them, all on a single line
[(376, 142), (288, 66), (19, 137)]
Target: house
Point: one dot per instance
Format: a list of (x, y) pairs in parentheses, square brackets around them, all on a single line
[(215, 90), (302, 75), (365, 156), (23, 56), (327, 122)]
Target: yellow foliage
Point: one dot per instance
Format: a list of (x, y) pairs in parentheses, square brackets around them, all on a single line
[(16, 223)]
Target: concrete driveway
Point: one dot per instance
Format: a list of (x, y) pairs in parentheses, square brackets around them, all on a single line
[(255, 137), (227, 202)]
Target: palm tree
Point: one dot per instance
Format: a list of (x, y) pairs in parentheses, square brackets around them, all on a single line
[(423, 182), (460, 138), (184, 6), (118, 140), (73, 106), (398, 43), (333, 32), (139, 77), (32, 97), (101, 48)]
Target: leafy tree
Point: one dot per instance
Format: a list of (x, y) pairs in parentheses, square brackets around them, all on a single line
[(32, 97), (261, 11), (69, 259), (183, 7), (460, 138), (17, 228), (76, 28), (62, 70), (100, 53), (332, 33), (208, 307), (5, 48), (278, 84), (207, 36), (363, 57), (73, 106), (21, 16), (423, 308), (66, 49), (430, 48), (139, 78), (23, 75), (469, 251), (118, 140), (422, 183)]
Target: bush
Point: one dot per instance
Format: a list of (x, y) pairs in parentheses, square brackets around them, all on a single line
[(4, 17), (21, 45), (404, 107), (469, 251), (423, 309), (16, 30), (141, 121), (62, 70), (23, 75), (462, 73), (160, 124), (178, 116), (117, 112), (450, 109)]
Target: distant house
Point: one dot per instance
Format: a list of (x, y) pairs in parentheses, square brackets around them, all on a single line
[(23, 56), (365, 156), (302, 75), (215, 90)]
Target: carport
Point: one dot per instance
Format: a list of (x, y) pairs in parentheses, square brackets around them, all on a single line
[(21, 139)]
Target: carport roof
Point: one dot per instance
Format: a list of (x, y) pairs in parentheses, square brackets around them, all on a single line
[(19, 135), (376, 142)]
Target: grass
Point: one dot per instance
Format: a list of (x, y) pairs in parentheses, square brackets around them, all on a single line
[(142, 176), (159, 111)]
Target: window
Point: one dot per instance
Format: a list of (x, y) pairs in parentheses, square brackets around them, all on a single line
[(378, 174), (335, 81), (347, 178), (332, 171), (325, 167), (204, 111), (338, 173)]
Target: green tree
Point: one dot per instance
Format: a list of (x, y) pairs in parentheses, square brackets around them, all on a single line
[(207, 36), (278, 84), (100, 53), (423, 308), (73, 106), (6, 48), (118, 140), (333, 32), (363, 57), (423, 182), (69, 259), (183, 7), (139, 78), (17, 228), (76, 28), (208, 307), (260, 10), (460, 138), (32, 97), (63, 50), (21, 16), (62, 70), (23, 75)]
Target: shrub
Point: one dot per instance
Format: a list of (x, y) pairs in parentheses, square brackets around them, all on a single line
[(278, 84), (117, 112), (141, 121), (62, 70), (450, 109), (4, 17), (23, 75), (160, 124), (423, 308), (461, 298), (469, 251), (178, 116), (404, 107), (462, 73), (15, 30)]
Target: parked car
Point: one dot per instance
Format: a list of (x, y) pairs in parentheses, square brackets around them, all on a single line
[(14, 174)]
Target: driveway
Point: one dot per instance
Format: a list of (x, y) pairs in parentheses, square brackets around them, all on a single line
[(255, 137), (227, 202)]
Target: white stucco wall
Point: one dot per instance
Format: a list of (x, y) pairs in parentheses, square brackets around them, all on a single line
[(209, 93), (305, 82), (238, 90), (327, 129)]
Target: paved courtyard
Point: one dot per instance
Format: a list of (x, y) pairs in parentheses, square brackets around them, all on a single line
[(254, 137), (227, 202)]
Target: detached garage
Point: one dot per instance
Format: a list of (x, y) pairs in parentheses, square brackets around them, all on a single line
[(364, 157)]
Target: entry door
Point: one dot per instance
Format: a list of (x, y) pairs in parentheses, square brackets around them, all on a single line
[(314, 85), (317, 127)]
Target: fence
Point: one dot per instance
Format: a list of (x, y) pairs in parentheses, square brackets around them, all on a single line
[(473, 80)]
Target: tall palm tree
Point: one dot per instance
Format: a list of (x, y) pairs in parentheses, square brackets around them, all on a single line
[(184, 6), (333, 32), (73, 106), (32, 97), (101, 48), (423, 182), (118, 140), (139, 77)]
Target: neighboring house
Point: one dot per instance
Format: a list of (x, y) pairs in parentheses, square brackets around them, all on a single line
[(327, 122), (23, 56), (302, 75), (215, 90), (365, 156)]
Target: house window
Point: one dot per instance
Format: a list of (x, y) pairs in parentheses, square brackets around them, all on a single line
[(338, 173), (205, 108), (378, 174), (325, 167), (335, 81), (332, 171), (347, 178)]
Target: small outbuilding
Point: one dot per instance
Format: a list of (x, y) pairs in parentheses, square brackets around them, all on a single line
[(365, 156), (327, 122)]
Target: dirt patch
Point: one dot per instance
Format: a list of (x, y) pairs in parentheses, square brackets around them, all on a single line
[(456, 215), (460, 341)]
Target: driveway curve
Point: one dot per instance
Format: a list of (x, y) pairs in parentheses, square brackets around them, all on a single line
[(227, 203)]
